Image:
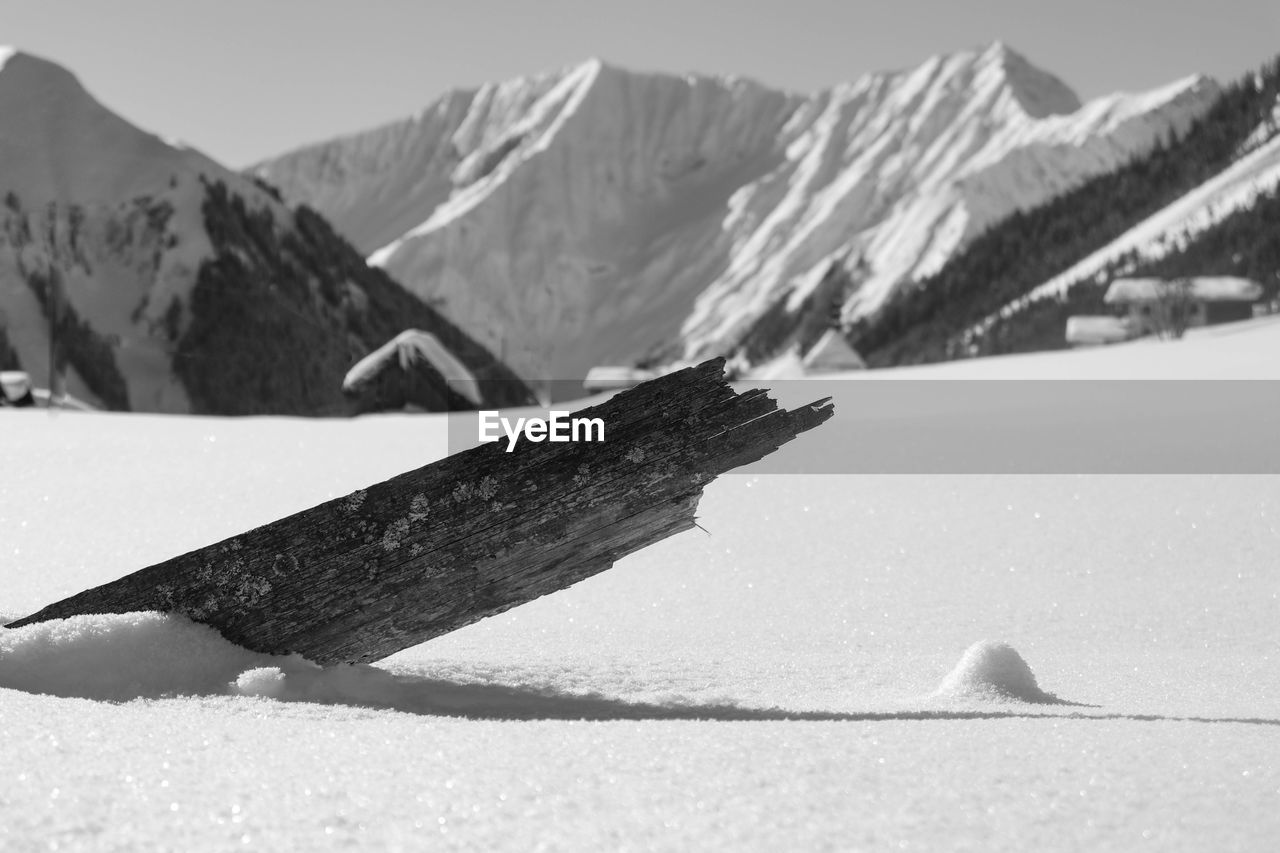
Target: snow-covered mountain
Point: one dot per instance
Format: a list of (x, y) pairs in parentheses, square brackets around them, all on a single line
[(597, 215), (180, 285), (115, 210)]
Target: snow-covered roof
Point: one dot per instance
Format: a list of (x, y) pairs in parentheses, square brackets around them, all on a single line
[(1203, 288), (407, 349), (1100, 329), (612, 378), (14, 384), (831, 353)]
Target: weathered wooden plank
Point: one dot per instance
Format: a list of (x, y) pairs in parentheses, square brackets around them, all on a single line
[(429, 551)]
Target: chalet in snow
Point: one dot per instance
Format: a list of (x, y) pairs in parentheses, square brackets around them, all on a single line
[(407, 372), (1149, 306), (1207, 300), (604, 378)]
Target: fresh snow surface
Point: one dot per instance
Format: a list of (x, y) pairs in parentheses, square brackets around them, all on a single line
[(786, 680), (624, 210)]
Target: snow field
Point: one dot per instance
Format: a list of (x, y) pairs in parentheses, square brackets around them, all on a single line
[(849, 595), (781, 683)]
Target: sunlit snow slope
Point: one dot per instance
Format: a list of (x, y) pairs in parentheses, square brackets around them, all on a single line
[(1254, 173), (646, 214)]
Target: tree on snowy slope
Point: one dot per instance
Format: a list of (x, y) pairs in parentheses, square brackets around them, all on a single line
[(801, 325), (76, 344), (1174, 305), (8, 355)]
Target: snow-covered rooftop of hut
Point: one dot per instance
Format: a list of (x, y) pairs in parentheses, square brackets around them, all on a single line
[(411, 347), (1097, 329), (1203, 288), (14, 383), (609, 378)]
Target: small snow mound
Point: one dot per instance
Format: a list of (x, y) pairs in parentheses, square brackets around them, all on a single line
[(993, 671), (300, 680), (266, 681)]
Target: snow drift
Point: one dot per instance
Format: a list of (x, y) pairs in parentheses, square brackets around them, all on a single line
[(118, 657), (122, 657)]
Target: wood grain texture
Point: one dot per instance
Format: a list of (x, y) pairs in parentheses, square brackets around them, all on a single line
[(429, 551)]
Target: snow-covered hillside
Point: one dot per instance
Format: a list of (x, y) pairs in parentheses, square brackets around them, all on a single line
[(1248, 349), (112, 228), (656, 215), (1255, 172), (114, 210)]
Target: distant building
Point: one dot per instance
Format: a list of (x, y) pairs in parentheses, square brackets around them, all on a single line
[(412, 370), (1094, 330), (1152, 303), (832, 354), (605, 378), (15, 389)]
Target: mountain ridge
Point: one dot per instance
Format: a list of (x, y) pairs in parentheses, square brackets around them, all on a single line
[(595, 214)]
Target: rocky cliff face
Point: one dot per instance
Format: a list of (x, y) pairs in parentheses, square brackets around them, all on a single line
[(597, 215), (171, 283)]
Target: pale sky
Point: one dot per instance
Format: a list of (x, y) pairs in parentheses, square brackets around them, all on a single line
[(246, 79)]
